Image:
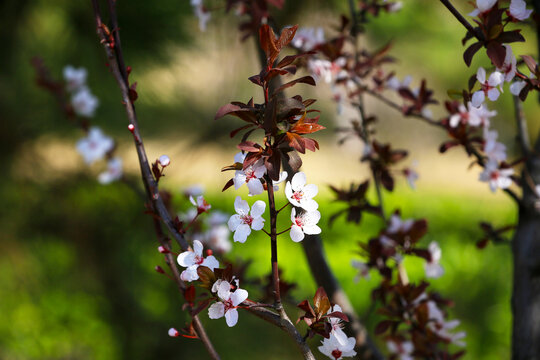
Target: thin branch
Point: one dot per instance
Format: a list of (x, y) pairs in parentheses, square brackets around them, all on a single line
[(462, 20), (118, 70)]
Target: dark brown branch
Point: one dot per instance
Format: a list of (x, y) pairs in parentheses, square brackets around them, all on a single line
[(462, 20)]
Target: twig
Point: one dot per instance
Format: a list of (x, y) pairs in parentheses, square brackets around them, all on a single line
[(462, 20)]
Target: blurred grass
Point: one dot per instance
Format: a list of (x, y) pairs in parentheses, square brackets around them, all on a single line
[(78, 281)]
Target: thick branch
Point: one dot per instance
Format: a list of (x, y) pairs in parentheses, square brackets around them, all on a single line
[(522, 129)]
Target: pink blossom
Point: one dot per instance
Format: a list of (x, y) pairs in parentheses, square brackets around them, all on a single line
[(301, 194), (308, 38), (193, 259), (488, 87), (397, 225), (441, 327), (228, 302), (304, 223), (243, 221), (472, 116), (518, 10)]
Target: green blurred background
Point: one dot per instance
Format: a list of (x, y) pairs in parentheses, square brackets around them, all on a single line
[(77, 258)]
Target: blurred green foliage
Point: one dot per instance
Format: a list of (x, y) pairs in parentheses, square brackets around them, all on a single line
[(77, 259)]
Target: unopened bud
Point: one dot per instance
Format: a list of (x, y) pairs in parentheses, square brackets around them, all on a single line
[(128, 70), (209, 252), (131, 127), (164, 160), (162, 250), (159, 269), (173, 332)]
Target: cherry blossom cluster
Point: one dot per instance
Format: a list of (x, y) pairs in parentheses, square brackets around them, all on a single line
[(83, 101)]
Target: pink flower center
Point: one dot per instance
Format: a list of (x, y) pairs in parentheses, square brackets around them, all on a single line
[(336, 354), (250, 174), (299, 221), (298, 195), (247, 219), (228, 305), (198, 260), (486, 87), (494, 175)]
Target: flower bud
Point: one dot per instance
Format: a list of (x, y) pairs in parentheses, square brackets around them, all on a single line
[(164, 160), (159, 269), (162, 250), (131, 127), (173, 332)]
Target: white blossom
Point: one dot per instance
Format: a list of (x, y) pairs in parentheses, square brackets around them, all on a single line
[(403, 349), (75, 78), (301, 194), (441, 327), (493, 149), (217, 237), (114, 171), (394, 83), (337, 325), (472, 116), (497, 178), (517, 86), (173, 332), (228, 303), (488, 87), (243, 221), (84, 103), (508, 68), (194, 190), (193, 259), (308, 38), (201, 203), (95, 145), (335, 350), (482, 6), (397, 225), (304, 223), (433, 268), (326, 70), (518, 10)]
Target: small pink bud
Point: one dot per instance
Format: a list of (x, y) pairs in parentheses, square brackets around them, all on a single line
[(164, 160), (173, 332), (159, 269), (209, 252), (131, 127), (162, 250)]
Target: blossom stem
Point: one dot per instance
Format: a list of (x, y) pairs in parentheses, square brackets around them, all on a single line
[(191, 222), (283, 232), (273, 244), (283, 207)]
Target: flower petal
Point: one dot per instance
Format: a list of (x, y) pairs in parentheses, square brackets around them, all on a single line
[(197, 247), (493, 94), (216, 310), (311, 229), (231, 317), (258, 208), (298, 181), (255, 187), (241, 206), (210, 262), (310, 190), (297, 234), (242, 232), (234, 222), (309, 205), (257, 223), (239, 296), (478, 98), (186, 258)]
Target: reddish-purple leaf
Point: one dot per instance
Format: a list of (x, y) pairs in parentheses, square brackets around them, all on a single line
[(469, 53), (496, 52)]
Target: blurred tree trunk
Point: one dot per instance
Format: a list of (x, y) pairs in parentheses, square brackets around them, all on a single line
[(526, 251)]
